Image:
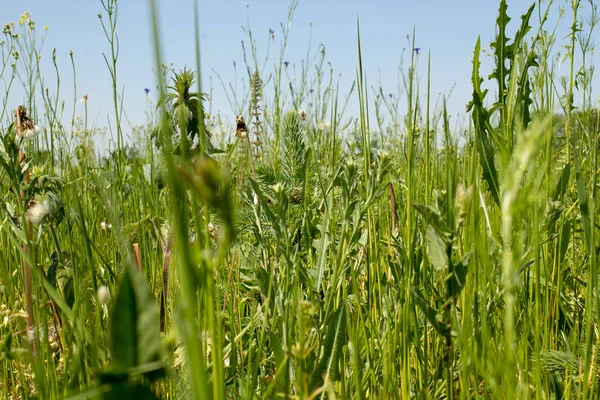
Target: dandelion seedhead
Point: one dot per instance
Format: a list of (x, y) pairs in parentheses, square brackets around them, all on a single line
[(25, 126), (38, 211), (241, 131)]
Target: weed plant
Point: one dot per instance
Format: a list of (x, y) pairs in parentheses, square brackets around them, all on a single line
[(306, 254)]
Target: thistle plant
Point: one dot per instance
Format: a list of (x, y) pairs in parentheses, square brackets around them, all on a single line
[(185, 109)]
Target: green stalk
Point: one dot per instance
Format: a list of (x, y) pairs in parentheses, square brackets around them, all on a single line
[(188, 327)]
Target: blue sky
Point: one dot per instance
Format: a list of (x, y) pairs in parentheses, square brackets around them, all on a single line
[(448, 29)]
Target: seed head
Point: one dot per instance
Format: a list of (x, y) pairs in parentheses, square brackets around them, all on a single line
[(241, 130), (103, 294), (25, 126), (37, 212)]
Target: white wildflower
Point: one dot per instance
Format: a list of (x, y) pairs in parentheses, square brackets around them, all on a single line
[(255, 199), (85, 98)]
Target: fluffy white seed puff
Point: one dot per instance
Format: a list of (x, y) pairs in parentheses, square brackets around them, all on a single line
[(38, 212), (103, 294), (29, 133)]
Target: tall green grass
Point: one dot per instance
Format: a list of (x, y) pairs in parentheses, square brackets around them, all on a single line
[(310, 255)]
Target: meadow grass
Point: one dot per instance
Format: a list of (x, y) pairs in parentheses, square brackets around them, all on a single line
[(306, 254)]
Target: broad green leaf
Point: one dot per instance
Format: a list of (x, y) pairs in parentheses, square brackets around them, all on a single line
[(432, 315), (134, 327), (565, 235), (435, 220), (563, 183), (457, 279), (332, 349), (436, 249), (123, 325)]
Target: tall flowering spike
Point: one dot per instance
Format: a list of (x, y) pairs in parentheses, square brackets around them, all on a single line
[(25, 126)]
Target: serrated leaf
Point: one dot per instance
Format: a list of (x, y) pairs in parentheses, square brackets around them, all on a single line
[(483, 140), (501, 52)]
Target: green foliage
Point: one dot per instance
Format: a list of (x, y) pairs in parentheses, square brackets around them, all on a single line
[(328, 369), (411, 259), (185, 117), (136, 346)]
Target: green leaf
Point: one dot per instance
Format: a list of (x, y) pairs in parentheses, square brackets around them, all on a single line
[(332, 349), (432, 315), (322, 244), (436, 249), (457, 279), (483, 138), (565, 235), (433, 218), (124, 332), (134, 326), (265, 207), (501, 52), (563, 183), (584, 208)]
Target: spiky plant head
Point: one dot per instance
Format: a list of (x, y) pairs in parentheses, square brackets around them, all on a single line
[(183, 82)]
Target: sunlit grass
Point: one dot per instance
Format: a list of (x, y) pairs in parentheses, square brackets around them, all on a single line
[(307, 253)]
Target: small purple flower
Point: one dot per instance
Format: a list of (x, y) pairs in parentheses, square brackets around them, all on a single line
[(311, 91), (272, 33), (417, 50), (146, 90), (391, 95), (286, 63)]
